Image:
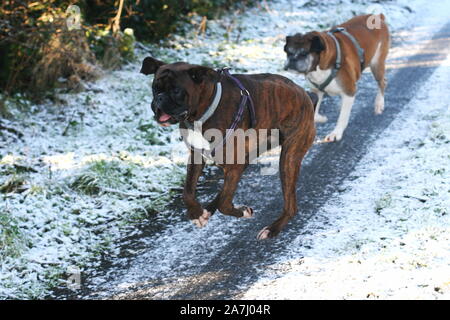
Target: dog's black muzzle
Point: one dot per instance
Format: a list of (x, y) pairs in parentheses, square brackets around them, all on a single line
[(168, 111), (290, 65)]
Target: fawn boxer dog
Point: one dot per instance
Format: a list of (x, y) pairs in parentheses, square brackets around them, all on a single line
[(334, 60), (185, 93)]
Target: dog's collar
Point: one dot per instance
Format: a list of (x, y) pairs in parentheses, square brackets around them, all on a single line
[(211, 109)]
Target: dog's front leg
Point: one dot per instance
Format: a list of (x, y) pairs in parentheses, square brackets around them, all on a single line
[(224, 200), (317, 116), (344, 116), (195, 212)]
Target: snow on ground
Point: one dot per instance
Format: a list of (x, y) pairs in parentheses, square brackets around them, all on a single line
[(388, 235), (93, 165), (253, 41), (86, 172)]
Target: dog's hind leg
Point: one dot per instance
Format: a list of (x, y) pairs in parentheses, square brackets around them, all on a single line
[(224, 200), (195, 212), (377, 66), (292, 152)]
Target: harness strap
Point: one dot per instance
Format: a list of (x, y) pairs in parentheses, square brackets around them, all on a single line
[(244, 95), (355, 43), (335, 70), (246, 101)]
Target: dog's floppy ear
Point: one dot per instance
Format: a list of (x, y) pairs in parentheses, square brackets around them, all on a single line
[(199, 73), (298, 36), (150, 65), (317, 44)]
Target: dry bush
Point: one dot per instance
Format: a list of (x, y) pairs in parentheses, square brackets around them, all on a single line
[(65, 61), (39, 52)]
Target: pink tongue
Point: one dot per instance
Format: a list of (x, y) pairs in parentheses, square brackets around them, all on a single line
[(164, 117)]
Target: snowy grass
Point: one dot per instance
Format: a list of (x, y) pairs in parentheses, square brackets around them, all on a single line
[(82, 174), (90, 165)]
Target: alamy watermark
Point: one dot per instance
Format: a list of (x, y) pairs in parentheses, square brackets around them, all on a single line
[(374, 20), (240, 146), (73, 20), (74, 280)]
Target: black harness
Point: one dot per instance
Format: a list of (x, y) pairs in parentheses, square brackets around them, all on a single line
[(338, 62)]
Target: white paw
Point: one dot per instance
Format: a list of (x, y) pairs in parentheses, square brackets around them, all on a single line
[(263, 234), (247, 213), (203, 219), (320, 118), (379, 104), (333, 136), (379, 108)]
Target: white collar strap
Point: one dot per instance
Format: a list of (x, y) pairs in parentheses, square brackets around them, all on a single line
[(212, 108), (210, 111)]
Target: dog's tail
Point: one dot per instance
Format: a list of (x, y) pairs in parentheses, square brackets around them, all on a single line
[(314, 98)]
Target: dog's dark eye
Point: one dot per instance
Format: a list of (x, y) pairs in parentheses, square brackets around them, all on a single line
[(288, 51), (156, 89), (176, 91)]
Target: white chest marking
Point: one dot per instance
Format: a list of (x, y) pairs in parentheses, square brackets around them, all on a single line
[(319, 76), (196, 139)]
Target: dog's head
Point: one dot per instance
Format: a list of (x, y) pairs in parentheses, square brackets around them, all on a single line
[(180, 90), (303, 51)]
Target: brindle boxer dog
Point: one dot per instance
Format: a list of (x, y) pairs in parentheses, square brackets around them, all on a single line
[(183, 92), (315, 54)]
